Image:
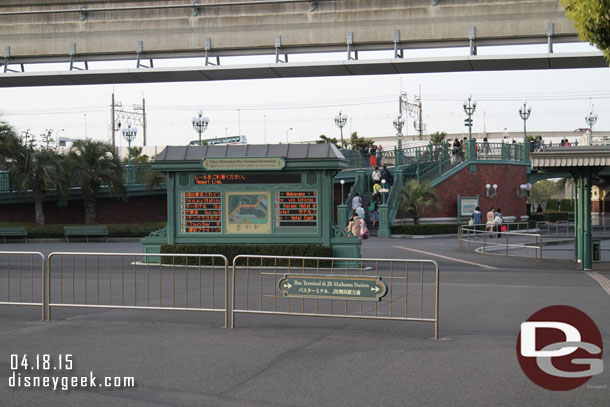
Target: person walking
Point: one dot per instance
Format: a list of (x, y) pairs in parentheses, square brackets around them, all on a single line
[(498, 220), (387, 176), (356, 201), (485, 148), (476, 220), (373, 209), (454, 151), (379, 156), (354, 226), (490, 219), (376, 176)]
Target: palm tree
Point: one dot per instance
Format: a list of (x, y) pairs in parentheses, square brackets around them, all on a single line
[(93, 164), (9, 143), (417, 196), (36, 170), (438, 137)]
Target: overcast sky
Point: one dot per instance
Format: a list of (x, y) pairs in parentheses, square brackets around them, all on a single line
[(265, 110)]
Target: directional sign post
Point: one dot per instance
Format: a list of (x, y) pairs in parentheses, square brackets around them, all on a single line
[(358, 288)]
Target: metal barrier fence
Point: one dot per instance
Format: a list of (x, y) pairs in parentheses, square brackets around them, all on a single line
[(334, 287), (21, 279), (508, 242), (180, 282)]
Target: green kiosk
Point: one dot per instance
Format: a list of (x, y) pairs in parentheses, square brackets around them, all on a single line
[(251, 194)]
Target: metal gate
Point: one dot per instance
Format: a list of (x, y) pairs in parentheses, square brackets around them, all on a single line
[(412, 288), (22, 279), (178, 282)]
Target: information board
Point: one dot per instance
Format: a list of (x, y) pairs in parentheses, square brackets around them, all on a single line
[(296, 208), (201, 212)]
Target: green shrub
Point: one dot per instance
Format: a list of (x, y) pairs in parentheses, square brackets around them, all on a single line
[(427, 229), (562, 205), (550, 217), (230, 251)]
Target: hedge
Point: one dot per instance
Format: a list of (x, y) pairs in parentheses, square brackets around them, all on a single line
[(563, 205), (114, 230), (230, 251), (427, 229), (551, 216)]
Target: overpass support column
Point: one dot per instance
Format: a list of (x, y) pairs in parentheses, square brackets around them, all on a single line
[(578, 219), (587, 253), (584, 244)]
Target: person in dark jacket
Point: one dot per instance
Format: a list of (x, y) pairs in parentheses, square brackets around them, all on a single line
[(387, 176)]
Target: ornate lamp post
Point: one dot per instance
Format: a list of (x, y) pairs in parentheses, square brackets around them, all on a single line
[(591, 119), (399, 123), (129, 133), (525, 112), (469, 108), (200, 123), (340, 121)]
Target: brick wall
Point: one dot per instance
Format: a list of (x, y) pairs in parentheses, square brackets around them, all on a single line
[(468, 183), (151, 208)]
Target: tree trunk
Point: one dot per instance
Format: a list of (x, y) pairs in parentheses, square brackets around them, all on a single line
[(38, 207), (416, 220), (89, 211)]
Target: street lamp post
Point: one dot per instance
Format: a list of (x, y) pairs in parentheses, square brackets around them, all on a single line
[(525, 112), (469, 107), (399, 123), (200, 123), (591, 119), (340, 121), (287, 131), (129, 133)]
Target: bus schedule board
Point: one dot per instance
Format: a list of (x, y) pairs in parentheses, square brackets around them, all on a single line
[(296, 208), (201, 212)]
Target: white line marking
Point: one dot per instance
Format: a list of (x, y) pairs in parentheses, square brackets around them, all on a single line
[(485, 266), (601, 280)]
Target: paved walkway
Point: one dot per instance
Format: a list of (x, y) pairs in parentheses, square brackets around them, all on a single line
[(188, 359)]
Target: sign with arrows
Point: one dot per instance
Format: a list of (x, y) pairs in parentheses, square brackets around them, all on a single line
[(358, 288)]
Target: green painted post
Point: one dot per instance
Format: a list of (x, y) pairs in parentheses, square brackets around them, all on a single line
[(576, 212), (526, 152), (587, 243), (398, 157), (342, 216), (172, 212), (384, 221), (471, 152), (579, 218)]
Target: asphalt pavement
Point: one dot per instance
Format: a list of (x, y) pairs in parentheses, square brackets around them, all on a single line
[(182, 358)]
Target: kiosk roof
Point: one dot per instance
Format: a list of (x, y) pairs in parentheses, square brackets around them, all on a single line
[(286, 151)]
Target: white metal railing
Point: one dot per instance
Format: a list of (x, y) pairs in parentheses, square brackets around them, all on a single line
[(498, 241)]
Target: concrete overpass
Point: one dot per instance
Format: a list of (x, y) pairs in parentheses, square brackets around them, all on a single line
[(101, 30), (80, 32)]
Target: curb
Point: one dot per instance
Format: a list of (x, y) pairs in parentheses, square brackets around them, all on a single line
[(423, 236)]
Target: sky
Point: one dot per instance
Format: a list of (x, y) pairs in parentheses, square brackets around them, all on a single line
[(294, 110)]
